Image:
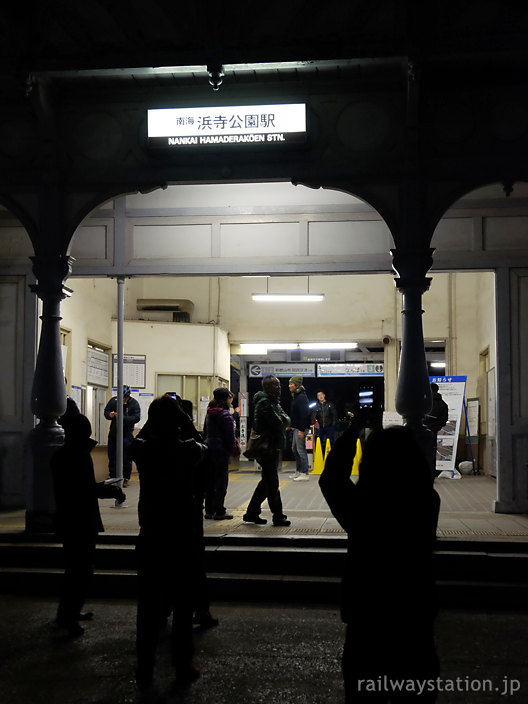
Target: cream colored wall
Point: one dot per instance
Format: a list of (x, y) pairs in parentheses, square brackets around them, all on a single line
[(88, 314), (177, 348)]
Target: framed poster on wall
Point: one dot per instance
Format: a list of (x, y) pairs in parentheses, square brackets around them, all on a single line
[(134, 370)]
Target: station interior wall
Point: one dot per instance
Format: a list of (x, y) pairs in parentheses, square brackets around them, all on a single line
[(458, 308)]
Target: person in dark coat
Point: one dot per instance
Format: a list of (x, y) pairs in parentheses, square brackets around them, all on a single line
[(301, 419), (325, 414), (166, 545), (388, 593), (77, 517), (270, 420), (131, 415), (220, 438), (202, 606), (436, 419)]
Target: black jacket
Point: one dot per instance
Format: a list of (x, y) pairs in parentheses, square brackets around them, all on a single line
[(300, 412), (438, 415), (270, 419), (131, 415), (325, 414)]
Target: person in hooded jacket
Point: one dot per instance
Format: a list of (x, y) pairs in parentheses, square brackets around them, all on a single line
[(220, 438), (270, 420), (166, 545), (77, 520), (388, 598)]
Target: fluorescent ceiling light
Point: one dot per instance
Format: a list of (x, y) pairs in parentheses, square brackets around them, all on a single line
[(264, 347), (438, 365), (328, 345), (281, 345), (288, 297), (254, 348)]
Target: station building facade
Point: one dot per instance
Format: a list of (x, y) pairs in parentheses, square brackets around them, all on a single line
[(425, 191)]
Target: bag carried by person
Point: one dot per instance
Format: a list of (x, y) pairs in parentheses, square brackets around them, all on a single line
[(258, 446)]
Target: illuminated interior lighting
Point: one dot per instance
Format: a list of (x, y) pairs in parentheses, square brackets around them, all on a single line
[(248, 348), (288, 297), (264, 347), (328, 345), (438, 365)]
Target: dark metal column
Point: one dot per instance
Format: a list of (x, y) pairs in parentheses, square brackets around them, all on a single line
[(48, 395), (413, 392)]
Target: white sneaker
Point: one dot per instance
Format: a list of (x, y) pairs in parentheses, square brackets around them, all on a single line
[(295, 475), (301, 478)]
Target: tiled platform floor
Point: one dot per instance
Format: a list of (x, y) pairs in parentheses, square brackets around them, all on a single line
[(466, 510)]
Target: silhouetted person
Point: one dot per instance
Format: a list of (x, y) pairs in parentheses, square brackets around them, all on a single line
[(202, 614), (436, 419), (388, 592), (166, 546), (220, 438), (72, 410), (269, 419), (131, 415), (77, 516)]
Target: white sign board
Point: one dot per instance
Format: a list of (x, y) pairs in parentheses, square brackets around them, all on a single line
[(281, 370), (452, 389), (226, 124), (350, 369), (243, 404), (391, 418), (243, 434)]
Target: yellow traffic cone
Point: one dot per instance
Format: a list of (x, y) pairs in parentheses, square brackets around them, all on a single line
[(327, 450), (357, 458), (318, 458)]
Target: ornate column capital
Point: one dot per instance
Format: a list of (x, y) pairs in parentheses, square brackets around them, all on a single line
[(51, 270), (412, 265)]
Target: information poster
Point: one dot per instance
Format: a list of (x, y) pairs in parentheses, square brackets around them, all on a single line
[(97, 368), (76, 395), (452, 390), (134, 368), (144, 399)]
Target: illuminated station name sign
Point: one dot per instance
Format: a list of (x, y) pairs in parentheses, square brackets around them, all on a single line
[(233, 124)]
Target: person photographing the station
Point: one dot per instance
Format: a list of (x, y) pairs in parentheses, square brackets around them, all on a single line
[(131, 415)]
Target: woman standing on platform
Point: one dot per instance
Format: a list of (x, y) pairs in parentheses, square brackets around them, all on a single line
[(220, 438)]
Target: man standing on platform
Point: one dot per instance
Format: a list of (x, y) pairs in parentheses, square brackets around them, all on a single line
[(301, 419), (270, 421), (131, 415), (325, 415)]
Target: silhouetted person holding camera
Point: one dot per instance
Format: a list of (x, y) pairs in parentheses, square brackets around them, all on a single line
[(388, 592), (77, 517), (166, 546)]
